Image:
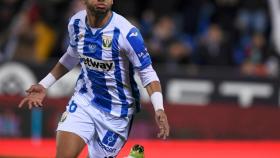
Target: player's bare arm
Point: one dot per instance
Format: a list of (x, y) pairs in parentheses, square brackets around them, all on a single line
[(154, 88), (36, 93)]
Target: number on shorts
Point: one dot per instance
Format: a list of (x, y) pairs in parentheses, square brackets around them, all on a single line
[(73, 106)]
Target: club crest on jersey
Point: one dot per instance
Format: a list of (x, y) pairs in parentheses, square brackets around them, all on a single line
[(107, 42)]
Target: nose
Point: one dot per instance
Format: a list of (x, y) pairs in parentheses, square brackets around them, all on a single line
[(101, 0)]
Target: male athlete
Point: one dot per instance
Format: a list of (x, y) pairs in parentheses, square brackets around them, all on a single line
[(99, 114)]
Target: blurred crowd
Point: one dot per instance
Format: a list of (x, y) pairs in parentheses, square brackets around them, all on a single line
[(228, 33)]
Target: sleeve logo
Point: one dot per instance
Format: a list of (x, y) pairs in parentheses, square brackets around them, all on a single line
[(134, 34)]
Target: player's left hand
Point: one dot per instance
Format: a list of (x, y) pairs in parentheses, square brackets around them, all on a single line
[(162, 122)]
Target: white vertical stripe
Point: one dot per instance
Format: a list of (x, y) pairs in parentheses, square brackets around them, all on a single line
[(111, 82)]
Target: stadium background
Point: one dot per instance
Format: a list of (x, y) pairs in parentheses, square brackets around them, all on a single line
[(218, 61)]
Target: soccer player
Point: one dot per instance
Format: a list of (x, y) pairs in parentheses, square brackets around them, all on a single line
[(99, 114)]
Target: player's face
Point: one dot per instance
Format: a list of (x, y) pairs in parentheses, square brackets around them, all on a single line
[(97, 7)]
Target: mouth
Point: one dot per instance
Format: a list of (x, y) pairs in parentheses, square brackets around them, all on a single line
[(101, 6)]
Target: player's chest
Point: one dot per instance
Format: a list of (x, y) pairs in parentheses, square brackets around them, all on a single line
[(103, 45)]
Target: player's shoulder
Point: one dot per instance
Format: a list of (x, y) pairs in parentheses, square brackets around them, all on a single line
[(80, 17), (122, 23)]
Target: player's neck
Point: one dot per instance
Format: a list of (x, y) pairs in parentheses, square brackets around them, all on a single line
[(98, 21)]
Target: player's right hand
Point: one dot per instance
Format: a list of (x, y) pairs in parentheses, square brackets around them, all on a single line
[(35, 96)]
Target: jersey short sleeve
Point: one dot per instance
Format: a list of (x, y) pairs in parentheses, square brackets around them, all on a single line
[(136, 49)]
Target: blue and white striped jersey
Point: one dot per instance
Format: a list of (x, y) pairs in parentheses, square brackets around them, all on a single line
[(108, 57)]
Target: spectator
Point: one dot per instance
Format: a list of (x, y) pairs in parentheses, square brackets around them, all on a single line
[(179, 55), (41, 31), (255, 56), (213, 48), (163, 34), (9, 9), (252, 17)]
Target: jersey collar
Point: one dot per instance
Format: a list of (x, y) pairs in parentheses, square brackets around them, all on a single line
[(99, 29)]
